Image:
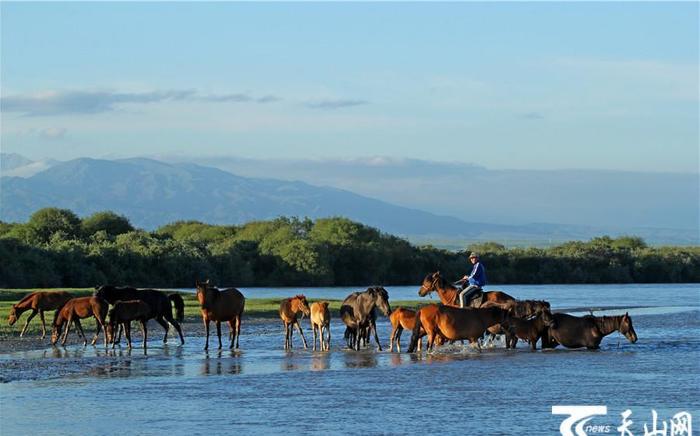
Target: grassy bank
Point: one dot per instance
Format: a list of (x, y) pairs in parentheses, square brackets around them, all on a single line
[(255, 308)]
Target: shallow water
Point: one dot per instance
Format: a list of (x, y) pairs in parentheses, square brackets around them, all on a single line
[(262, 389)]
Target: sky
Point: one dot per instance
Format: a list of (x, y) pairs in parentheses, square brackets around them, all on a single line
[(502, 85)]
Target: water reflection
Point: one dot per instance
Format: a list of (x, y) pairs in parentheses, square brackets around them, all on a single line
[(216, 364), (355, 359), (321, 361)]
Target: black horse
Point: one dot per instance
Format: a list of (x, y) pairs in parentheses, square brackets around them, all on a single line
[(358, 314), (158, 301)]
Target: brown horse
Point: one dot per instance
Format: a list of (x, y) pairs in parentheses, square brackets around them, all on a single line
[(516, 308), (290, 309), (37, 302), (454, 323), (320, 320), (530, 330), (358, 313), (402, 318), (122, 314), (73, 311), (449, 294), (221, 305), (588, 331)]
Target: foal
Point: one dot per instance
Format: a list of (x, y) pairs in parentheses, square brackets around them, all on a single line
[(122, 314), (289, 312), (402, 318), (321, 319), (37, 302), (75, 310), (530, 330)]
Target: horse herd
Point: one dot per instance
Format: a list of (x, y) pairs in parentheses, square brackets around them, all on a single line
[(491, 313)]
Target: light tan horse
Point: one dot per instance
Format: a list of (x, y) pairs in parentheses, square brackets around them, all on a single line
[(37, 302), (76, 309), (449, 294), (320, 320), (221, 305), (290, 309)]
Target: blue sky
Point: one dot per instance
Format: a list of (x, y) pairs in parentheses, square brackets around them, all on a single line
[(504, 85)]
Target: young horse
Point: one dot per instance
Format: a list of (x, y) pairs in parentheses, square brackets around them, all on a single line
[(221, 305), (530, 330), (358, 313), (289, 312), (73, 311), (158, 301), (516, 308), (589, 331), (37, 302), (454, 323), (122, 314), (449, 294), (402, 319), (320, 320)]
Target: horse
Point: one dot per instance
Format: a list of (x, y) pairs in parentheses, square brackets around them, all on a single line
[(37, 302), (530, 330), (402, 318), (588, 331), (516, 308), (454, 323), (357, 312), (320, 320), (221, 305), (449, 294), (290, 309), (73, 311), (122, 314), (158, 301)]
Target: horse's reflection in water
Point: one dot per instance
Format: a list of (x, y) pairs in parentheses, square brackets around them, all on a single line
[(216, 364), (320, 362), (360, 359)]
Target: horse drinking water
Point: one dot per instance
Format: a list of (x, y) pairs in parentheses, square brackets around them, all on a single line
[(73, 311), (37, 302), (588, 331)]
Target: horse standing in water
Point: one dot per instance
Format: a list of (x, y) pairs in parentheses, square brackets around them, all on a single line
[(290, 309), (449, 294), (357, 312), (122, 314), (158, 301), (221, 305), (37, 302), (401, 319), (454, 323), (530, 330), (321, 320), (73, 311), (588, 331)]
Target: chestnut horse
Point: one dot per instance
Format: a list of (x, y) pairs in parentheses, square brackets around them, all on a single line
[(122, 314), (454, 323), (530, 330), (290, 309), (402, 318), (320, 320), (76, 309), (588, 331), (37, 302), (221, 305), (449, 294)]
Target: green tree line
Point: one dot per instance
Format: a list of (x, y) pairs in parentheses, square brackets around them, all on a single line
[(56, 248)]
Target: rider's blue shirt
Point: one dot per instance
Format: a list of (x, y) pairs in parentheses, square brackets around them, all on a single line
[(478, 275)]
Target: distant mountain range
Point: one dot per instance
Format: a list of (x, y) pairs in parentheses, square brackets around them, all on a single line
[(152, 193)]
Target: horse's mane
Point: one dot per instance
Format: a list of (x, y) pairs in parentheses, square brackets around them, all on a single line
[(25, 299)]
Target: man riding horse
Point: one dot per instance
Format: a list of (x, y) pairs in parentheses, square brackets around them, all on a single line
[(476, 280)]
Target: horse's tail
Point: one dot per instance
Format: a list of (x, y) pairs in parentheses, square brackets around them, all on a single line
[(179, 303), (416, 333)]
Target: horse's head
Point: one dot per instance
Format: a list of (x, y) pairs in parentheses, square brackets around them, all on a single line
[(627, 329), (547, 318), (429, 284), (381, 299), (299, 303), (13, 315), (56, 330)]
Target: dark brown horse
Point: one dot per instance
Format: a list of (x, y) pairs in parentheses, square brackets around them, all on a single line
[(588, 331), (158, 301), (122, 314), (358, 313), (221, 305), (530, 330), (37, 302), (73, 311), (290, 310), (516, 308), (449, 294), (454, 323)]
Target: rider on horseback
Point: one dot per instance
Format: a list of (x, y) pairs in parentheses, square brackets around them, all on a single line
[(476, 280)]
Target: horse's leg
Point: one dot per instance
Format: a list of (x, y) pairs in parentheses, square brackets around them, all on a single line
[(420, 344), (373, 327), (127, 332), (206, 329), (65, 334), (399, 331), (80, 330), (97, 332), (144, 328), (43, 324), (26, 324), (290, 335), (231, 332), (178, 328), (218, 332), (313, 331), (163, 324), (301, 332), (239, 320)]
